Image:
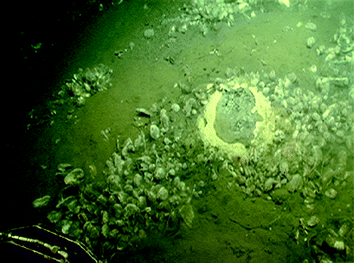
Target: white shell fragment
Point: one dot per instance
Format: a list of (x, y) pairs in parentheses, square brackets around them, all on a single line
[(41, 202), (154, 132), (74, 176)]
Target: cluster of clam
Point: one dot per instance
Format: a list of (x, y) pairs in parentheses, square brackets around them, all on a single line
[(314, 117), (143, 188), (75, 91), (86, 83), (202, 13)]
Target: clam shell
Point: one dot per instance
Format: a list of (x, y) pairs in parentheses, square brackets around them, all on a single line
[(154, 132)]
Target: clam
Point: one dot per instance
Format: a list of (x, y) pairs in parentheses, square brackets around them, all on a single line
[(55, 216), (310, 42), (138, 180), (187, 213), (130, 209), (41, 202), (335, 243), (295, 183), (74, 176), (154, 132), (331, 193), (313, 221), (165, 120), (160, 173), (175, 107), (162, 194), (344, 229), (284, 167), (269, 183)]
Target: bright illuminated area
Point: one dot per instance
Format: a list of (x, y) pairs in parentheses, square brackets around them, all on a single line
[(180, 131)]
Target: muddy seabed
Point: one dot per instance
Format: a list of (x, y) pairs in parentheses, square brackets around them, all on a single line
[(246, 209)]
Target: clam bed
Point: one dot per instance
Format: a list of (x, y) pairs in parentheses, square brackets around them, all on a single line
[(285, 142)]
